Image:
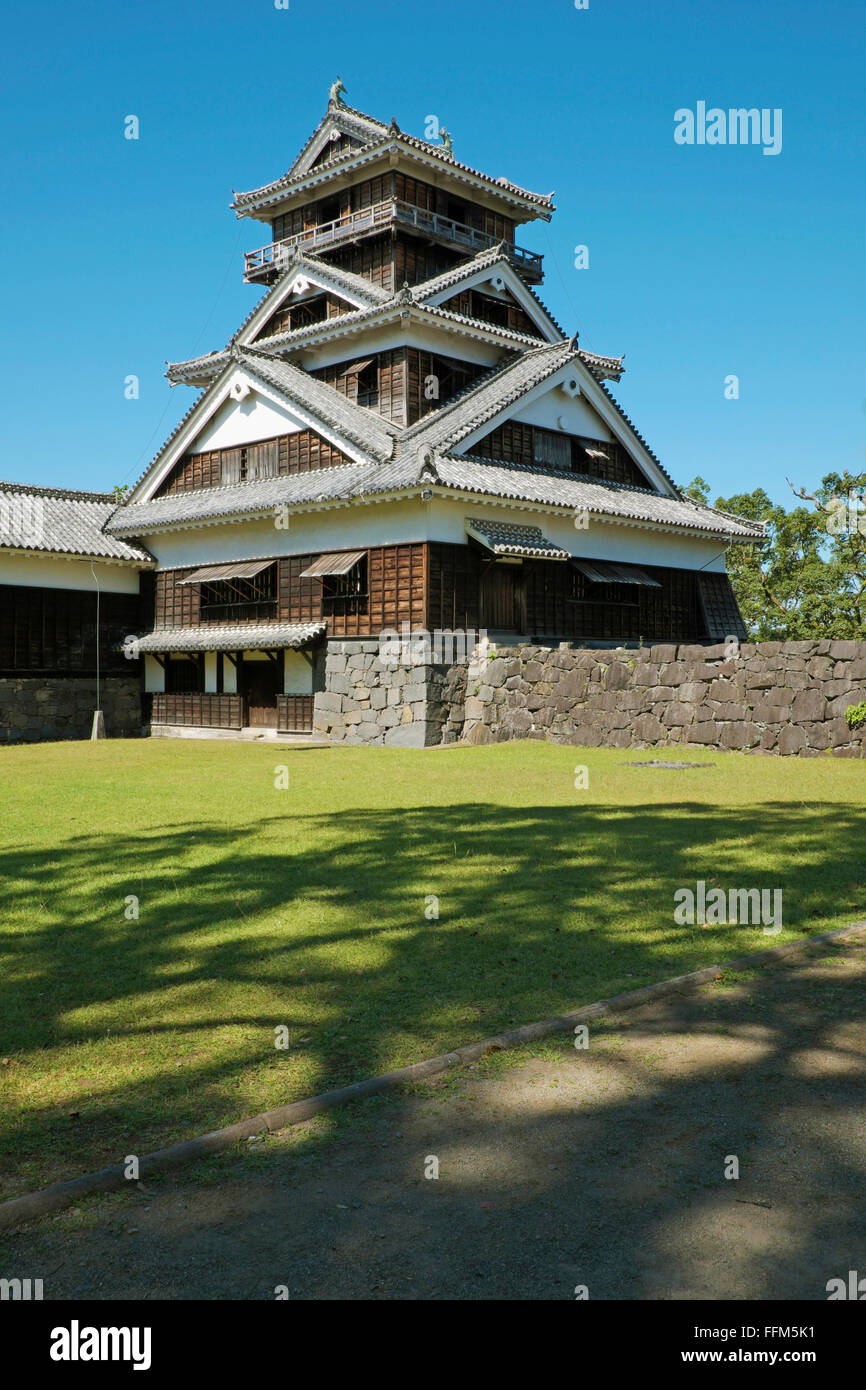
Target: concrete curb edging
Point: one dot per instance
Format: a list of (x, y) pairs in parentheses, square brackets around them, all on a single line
[(19, 1210)]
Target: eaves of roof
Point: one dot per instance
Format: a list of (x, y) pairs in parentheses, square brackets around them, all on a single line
[(258, 199), (495, 477), (331, 330), (448, 474)]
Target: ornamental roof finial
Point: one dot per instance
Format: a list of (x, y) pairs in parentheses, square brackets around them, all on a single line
[(334, 97), (445, 137)]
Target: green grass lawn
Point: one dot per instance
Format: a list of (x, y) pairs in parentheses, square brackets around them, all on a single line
[(305, 907)]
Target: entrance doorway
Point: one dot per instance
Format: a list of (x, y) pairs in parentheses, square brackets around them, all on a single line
[(260, 683), (503, 598)]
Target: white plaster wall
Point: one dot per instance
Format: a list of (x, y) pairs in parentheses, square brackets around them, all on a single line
[(230, 677), (154, 676), (244, 422), (440, 520), (577, 415), (48, 573), (336, 528), (210, 672), (297, 674)]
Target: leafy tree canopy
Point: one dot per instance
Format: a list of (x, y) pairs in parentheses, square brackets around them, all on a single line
[(808, 578)]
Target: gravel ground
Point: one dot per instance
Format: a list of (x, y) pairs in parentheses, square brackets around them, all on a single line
[(601, 1167)]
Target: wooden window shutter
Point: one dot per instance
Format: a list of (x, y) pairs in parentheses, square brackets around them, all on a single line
[(231, 467)]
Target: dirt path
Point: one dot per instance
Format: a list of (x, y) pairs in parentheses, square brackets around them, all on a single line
[(601, 1167)]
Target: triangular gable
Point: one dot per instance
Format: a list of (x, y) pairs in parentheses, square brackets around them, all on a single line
[(240, 382), (297, 281), (349, 127), (304, 274), (573, 402), (510, 389), (495, 274)]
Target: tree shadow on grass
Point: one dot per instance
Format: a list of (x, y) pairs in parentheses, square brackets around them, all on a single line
[(319, 923), (615, 1182)]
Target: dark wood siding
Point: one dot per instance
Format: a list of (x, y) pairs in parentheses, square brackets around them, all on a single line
[(453, 587), (176, 604), (198, 710), (414, 261), (499, 312), (403, 374), (372, 258), (303, 314), (301, 452), (53, 631), (515, 442), (561, 602), (437, 586), (395, 592)]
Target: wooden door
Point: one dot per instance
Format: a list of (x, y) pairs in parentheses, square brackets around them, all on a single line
[(260, 684), (503, 599)]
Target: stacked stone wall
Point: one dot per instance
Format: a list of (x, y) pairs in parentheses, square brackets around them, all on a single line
[(770, 698), (34, 710)]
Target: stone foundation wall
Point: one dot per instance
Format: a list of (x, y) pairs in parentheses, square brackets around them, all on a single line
[(368, 699), (34, 710), (773, 697)]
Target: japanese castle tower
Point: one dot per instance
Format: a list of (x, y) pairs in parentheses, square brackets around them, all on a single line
[(398, 433)]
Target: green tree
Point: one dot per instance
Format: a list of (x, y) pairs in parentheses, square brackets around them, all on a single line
[(807, 579)]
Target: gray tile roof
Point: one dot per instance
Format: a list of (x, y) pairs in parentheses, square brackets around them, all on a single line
[(593, 495), (447, 426), (455, 473), (365, 428), (225, 637), (259, 498), (174, 434), (206, 366), (256, 199), (509, 538), (61, 521), (333, 329)]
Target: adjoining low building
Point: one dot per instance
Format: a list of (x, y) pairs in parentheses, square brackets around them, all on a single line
[(69, 593)]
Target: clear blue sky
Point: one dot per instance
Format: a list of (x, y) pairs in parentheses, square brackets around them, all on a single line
[(704, 261)]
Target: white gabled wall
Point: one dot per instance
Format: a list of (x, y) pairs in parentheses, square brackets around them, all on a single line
[(563, 414), (245, 422)]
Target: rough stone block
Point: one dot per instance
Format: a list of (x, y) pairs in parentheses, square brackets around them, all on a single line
[(648, 728), (844, 651), (808, 705), (791, 739), (702, 733)]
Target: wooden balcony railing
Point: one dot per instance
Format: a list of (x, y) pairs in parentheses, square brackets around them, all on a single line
[(268, 261), (198, 710), (294, 714)]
